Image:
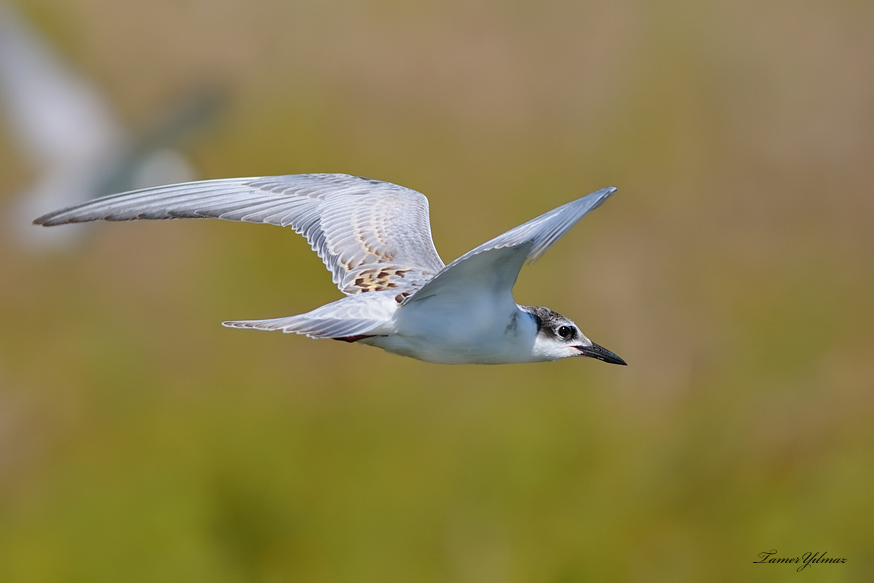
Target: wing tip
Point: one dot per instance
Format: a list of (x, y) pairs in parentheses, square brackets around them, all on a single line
[(595, 199), (61, 218), (50, 220)]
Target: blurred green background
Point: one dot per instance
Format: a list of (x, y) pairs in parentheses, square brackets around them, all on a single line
[(141, 441)]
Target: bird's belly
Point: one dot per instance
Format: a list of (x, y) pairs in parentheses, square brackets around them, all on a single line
[(486, 336), (431, 349)]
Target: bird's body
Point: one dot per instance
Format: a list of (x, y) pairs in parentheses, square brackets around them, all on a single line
[(482, 332), (375, 239)]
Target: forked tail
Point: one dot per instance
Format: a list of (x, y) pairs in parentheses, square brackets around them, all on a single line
[(355, 316)]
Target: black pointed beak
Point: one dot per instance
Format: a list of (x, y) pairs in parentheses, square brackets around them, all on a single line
[(601, 353)]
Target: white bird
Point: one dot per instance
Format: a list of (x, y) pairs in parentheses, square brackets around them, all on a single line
[(375, 239), (68, 132)]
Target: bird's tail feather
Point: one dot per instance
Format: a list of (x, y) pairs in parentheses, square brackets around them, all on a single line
[(362, 314), (312, 327)]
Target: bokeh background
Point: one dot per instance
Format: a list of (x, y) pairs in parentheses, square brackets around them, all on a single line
[(141, 441)]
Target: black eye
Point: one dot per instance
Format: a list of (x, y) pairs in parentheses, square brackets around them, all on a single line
[(565, 332)]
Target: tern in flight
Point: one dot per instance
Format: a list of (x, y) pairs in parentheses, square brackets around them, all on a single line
[(375, 239)]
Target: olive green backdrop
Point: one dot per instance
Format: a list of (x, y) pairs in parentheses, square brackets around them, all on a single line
[(141, 441)]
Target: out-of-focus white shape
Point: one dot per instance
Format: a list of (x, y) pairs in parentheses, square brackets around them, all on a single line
[(156, 169), (69, 134), (55, 114)]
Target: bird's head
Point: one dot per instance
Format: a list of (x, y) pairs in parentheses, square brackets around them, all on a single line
[(558, 337)]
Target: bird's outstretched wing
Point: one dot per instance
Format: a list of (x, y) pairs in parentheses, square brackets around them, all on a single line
[(490, 270), (372, 235)]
